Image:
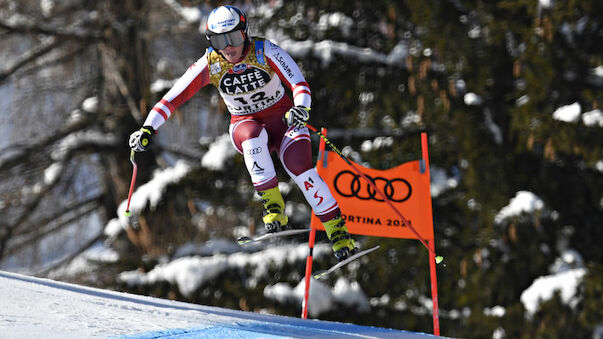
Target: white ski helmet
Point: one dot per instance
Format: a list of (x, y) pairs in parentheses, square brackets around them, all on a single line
[(223, 25)]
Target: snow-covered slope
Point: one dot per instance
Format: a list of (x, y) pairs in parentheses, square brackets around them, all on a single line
[(41, 308)]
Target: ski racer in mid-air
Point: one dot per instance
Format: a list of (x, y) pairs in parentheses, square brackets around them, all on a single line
[(249, 74)]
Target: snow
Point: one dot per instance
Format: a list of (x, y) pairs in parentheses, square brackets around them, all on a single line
[(219, 151), (493, 127), (499, 333), (18, 19), (189, 14), (82, 263), (411, 118), (161, 85), (191, 273), (338, 20), (351, 294), (440, 181), (460, 85), (210, 247), (496, 311), (544, 287), (568, 260), (545, 3), (78, 139), (472, 99), (43, 308), (475, 32), (567, 270), (523, 201), (568, 113), (154, 189), (113, 228), (327, 50), (524, 99), (90, 105), (321, 298), (377, 143), (572, 113), (187, 273), (47, 6), (52, 172), (593, 118)]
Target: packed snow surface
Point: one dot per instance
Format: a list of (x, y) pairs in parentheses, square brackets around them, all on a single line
[(42, 308)]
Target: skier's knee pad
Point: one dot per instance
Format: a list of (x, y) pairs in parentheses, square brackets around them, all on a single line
[(315, 191), (257, 159)]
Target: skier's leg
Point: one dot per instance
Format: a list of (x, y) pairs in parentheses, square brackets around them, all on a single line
[(296, 156), (250, 138)]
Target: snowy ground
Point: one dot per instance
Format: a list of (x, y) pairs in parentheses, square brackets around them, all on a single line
[(41, 308)]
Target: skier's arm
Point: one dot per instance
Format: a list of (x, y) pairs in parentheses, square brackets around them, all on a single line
[(189, 83), (289, 73)]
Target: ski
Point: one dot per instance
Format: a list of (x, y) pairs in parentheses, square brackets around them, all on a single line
[(345, 262), (248, 240)]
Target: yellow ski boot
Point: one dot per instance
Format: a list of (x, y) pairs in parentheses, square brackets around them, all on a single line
[(274, 216), (343, 244)]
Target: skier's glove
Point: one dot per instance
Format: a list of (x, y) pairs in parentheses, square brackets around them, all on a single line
[(140, 140), (297, 116)]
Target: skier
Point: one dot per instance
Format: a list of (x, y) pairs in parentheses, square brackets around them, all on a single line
[(249, 74)]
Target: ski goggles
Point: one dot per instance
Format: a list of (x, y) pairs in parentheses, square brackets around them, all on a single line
[(221, 41)]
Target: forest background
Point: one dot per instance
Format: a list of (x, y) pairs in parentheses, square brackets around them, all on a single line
[(509, 92)]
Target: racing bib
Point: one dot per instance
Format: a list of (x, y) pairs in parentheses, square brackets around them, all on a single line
[(249, 86)]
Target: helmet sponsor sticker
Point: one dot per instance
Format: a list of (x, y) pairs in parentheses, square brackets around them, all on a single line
[(224, 24)]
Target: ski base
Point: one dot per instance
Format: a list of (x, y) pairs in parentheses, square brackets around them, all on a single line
[(344, 262), (248, 240)]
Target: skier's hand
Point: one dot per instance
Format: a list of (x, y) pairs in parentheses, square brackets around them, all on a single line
[(140, 140), (297, 116)]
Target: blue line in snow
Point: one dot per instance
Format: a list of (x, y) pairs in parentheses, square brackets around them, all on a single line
[(313, 329)]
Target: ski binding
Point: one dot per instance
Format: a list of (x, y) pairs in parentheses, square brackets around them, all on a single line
[(345, 262), (248, 240)]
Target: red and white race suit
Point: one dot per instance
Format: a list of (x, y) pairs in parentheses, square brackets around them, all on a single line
[(253, 92)]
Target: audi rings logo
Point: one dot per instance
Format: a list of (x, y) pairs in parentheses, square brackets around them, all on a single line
[(349, 184), (254, 151)]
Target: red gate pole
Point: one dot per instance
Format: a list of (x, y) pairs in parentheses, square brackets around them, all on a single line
[(308, 274), (431, 243), (321, 156), (434, 290)]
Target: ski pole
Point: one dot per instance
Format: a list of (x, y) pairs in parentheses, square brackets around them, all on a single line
[(438, 258), (132, 182)]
